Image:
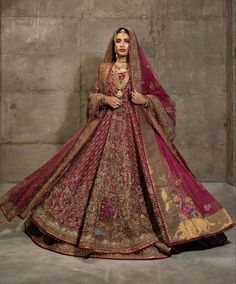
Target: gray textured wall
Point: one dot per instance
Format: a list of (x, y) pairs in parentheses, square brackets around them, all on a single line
[(49, 53), (231, 91)]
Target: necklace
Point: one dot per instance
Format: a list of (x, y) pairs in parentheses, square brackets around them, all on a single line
[(121, 66), (120, 86)]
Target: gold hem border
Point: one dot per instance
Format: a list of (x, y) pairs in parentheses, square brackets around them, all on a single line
[(85, 246), (69, 250)]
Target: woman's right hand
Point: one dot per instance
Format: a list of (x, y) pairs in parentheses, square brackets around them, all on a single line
[(113, 101)]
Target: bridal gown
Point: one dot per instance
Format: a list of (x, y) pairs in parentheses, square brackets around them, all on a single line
[(116, 190)]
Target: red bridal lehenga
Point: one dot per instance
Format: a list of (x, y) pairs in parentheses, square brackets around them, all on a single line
[(119, 188)]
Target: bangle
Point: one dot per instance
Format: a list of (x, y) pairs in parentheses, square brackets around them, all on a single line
[(146, 103), (103, 100)]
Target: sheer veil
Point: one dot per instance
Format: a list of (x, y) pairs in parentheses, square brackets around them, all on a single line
[(178, 180), (144, 79)]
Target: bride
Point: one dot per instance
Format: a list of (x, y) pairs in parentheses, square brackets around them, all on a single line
[(119, 188)]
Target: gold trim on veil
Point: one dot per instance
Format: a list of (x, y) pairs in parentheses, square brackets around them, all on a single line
[(134, 63)]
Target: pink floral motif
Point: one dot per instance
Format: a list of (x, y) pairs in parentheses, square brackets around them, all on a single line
[(177, 199), (106, 210), (207, 207), (186, 207), (177, 182)]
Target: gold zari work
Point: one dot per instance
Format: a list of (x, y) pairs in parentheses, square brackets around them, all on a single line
[(114, 194)]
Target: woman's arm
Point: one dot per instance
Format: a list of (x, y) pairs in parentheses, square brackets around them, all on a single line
[(95, 100)]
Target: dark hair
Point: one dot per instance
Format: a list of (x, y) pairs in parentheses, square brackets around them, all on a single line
[(113, 43), (122, 29)]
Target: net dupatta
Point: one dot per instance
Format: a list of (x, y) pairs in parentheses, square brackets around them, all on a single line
[(143, 77)]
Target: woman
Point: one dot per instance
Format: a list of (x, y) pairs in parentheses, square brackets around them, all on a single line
[(119, 188)]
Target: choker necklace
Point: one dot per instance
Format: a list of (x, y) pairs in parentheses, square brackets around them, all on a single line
[(121, 66)]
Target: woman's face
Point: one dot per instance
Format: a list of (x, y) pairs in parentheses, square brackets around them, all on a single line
[(122, 44)]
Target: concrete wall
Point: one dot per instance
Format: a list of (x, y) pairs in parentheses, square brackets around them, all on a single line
[(231, 91), (49, 53)]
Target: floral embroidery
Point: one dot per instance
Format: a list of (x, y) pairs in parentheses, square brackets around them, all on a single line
[(107, 211), (102, 169), (186, 207), (207, 207), (177, 182)]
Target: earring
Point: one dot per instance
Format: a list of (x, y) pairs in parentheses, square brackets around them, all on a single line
[(116, 53)]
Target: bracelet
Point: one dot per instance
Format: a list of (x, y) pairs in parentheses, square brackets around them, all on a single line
[(146, 103), (103, 100)]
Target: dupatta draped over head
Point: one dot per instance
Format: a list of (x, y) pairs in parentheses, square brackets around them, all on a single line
[(161, 110), (183, 208), (143, 77)]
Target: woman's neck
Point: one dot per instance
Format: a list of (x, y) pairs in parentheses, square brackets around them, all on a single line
[(122, 59)]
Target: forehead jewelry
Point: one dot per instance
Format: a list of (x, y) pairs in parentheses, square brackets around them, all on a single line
[(122, 31)]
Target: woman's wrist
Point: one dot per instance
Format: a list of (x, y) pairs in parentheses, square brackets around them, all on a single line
[(103, 100), (145, 103)]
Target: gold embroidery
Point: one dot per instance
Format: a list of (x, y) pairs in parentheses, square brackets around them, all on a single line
[(117, 199), (178, 230), (147, 251), (162, 117), (196, 227)]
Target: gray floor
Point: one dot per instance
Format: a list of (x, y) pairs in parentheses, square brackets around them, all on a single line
[(21, 261)]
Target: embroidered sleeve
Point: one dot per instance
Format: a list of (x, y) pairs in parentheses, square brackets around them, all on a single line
[(155, 108), (95, 104)]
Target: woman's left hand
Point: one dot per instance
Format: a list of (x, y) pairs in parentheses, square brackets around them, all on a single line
[(137, 98)]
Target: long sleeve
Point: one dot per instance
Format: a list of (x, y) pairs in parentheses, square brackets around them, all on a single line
[(159, 115), (94, 104)]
